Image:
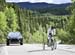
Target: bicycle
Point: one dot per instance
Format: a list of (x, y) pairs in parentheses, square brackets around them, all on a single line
[(52, 43)]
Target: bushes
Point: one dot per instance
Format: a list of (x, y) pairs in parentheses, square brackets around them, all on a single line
[(38, 37), (63, 36), (27, 37)]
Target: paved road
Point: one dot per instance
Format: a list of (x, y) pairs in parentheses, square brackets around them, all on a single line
[(36, 49)]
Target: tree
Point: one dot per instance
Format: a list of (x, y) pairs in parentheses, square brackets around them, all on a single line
[(3, 22), (11, 19), (71, 24), (3, 26)]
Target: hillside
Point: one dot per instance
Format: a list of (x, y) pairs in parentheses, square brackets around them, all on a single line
[(56, 9), (41, 5)]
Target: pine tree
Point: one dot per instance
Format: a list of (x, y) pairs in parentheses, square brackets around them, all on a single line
[(11, 19)]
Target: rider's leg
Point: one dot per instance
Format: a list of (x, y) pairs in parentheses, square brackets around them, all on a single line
[(47, 41), (52, 44)]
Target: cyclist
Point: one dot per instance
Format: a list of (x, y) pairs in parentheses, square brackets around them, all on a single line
[(51, 40)]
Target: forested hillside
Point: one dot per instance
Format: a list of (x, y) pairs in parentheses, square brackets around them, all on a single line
[(56, 9), (34, 24)]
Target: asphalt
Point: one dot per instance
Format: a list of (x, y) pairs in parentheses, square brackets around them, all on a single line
[(70, 48), (35, 49)]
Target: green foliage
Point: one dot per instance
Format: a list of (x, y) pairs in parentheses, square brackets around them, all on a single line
[(39, 35), (3, 26), (3, 22), (55, 11), (73, 0), (63, 36), (27, 37), (11, 18), (71, 27), (34, 24), (8, 22)]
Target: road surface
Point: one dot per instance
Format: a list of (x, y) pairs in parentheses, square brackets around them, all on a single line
[(36, 49)]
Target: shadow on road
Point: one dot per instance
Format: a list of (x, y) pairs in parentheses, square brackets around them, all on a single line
[(39, 50), (14, 45)]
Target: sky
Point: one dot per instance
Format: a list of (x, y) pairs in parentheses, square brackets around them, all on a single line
[(47, 1)]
